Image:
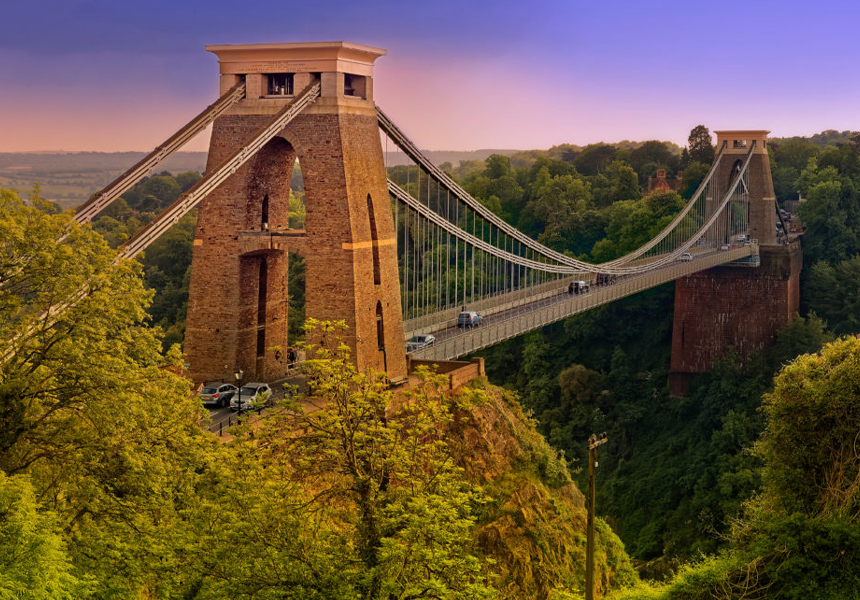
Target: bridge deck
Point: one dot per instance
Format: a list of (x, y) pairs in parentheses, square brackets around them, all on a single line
[(524, 315)]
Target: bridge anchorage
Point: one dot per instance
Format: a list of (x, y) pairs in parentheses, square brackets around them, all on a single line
[(402, 256)]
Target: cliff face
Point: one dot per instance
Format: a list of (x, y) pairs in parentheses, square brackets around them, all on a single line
[(534, 528)]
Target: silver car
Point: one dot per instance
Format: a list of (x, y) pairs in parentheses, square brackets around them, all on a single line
[(253, 395), (422, 340), (216, 393)]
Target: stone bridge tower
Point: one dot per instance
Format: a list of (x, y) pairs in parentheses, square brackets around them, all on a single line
[(238, 295), (762, 199), (739, 307)]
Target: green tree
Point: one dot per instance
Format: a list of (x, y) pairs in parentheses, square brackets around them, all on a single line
[(701, 146), (650, 156), (108, 438), (163, 187), (392, 465), (595, 158), (626, 182), (498, 166), (186, 179), (833, 291), (33, 559), (693, 175)]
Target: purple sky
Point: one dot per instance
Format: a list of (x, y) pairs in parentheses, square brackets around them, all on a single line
[(125, 74)]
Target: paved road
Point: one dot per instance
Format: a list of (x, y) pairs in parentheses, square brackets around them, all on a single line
[(224, 418)]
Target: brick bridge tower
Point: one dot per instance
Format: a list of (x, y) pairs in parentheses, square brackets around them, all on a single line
[(238, 296), (737, 307)]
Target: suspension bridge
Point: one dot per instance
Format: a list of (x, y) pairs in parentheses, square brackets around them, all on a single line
[(391, 258)]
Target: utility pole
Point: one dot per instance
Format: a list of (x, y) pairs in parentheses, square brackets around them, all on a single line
[(593, 442)]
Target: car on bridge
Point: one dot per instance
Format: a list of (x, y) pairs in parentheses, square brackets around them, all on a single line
[(686, 257), (252, 395), (469, 319), (578, 287), (422, 340), (216, 393)]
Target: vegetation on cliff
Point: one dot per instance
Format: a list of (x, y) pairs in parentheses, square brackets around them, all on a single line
[(798, 538), (109, 488)]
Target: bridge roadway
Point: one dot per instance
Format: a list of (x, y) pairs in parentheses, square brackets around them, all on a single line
[(511, 319)]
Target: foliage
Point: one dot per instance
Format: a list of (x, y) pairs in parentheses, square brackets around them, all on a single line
[(701, 147), (650, 156), (33, 559), (798, 538), (834, 292), (107, 437), (412, 510), (812, 465), (693, 176)]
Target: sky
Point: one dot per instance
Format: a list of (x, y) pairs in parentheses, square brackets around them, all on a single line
[(117, 75)]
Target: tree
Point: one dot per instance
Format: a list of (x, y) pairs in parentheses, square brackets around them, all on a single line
[(694, 174), (626, 186), (834, 294), (108, 438), (701, 147), (650, 156), (186, 179), (595, 158), (33, 559), (390, 464), (498, 166)]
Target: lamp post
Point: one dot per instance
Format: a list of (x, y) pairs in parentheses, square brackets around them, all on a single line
[(593, 442), (238, 375)]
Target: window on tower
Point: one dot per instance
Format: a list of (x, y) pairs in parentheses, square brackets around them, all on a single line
[(280, 84)]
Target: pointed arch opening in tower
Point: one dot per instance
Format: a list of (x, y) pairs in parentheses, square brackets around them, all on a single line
[(261, 307), (380, 327), (374, 237), (297, 197)]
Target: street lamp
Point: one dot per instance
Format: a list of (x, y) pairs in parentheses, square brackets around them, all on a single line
[(238, 375), (593, 442)]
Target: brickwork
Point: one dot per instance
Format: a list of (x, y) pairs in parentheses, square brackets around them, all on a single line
[(458, 372), (762, 199), (741, 308), (237, 311)]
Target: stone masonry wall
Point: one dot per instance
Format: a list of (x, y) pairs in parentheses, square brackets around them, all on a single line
[(341, 159), (737, 307)]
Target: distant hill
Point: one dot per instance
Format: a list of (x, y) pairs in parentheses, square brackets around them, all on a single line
[(830, 137), (393, 159), (69, 178)]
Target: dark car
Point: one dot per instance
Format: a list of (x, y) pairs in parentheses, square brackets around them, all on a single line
[(469, 319), (578, 287), (216, 393)]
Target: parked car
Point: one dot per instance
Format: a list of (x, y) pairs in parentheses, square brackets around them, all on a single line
[(578, 287), (422, 340), (253, 395), (216, 393), (686, 257), (469, 319)]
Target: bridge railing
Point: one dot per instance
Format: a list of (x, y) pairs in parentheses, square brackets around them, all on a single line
[(488, 306), (526, 318)]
